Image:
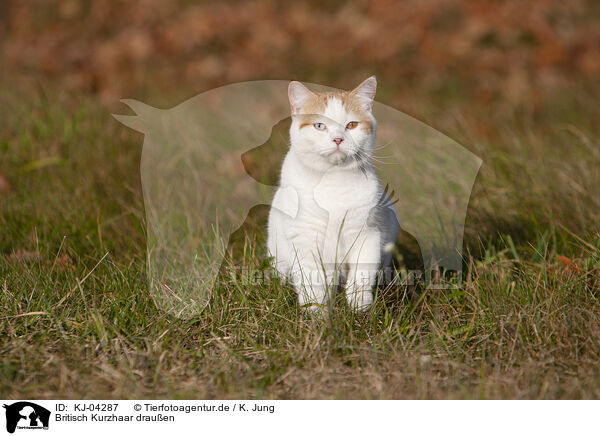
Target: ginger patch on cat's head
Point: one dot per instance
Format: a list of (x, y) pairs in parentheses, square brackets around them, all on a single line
[(358, 100)]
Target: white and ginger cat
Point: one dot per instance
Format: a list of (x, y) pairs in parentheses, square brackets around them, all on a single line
[(330, 218)]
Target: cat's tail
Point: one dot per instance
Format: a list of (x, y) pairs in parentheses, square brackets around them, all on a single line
[(388, 197)]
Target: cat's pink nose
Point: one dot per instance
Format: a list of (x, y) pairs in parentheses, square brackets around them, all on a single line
[(338, 140)]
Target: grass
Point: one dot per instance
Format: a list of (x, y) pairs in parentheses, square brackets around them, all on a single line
[(78, 321)]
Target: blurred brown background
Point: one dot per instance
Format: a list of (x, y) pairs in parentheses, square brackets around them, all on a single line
[(484, 50)]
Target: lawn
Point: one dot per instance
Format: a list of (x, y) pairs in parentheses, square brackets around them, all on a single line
[(78, 320)]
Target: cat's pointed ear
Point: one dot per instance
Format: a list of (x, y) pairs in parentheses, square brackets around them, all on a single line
[(366, 92), (298, 95)]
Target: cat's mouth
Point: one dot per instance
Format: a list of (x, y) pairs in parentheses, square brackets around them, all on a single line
[(337, 157)]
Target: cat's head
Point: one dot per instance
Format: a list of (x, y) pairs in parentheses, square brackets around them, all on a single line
[(333, 128)]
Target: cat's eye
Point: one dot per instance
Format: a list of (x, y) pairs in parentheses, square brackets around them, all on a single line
[(319, 126), (351, 125)]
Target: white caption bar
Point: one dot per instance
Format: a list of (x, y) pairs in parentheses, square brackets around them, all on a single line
[(23, 417)]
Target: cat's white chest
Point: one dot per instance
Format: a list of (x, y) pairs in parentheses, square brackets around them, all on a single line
[(335, 205), (340, 193)]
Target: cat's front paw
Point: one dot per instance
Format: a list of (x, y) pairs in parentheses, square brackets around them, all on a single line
[(316, 309), (359, 300), (313, 300)]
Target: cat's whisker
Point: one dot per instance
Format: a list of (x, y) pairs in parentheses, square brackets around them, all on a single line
[(383, 162), (379, 147), (377, 159)]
